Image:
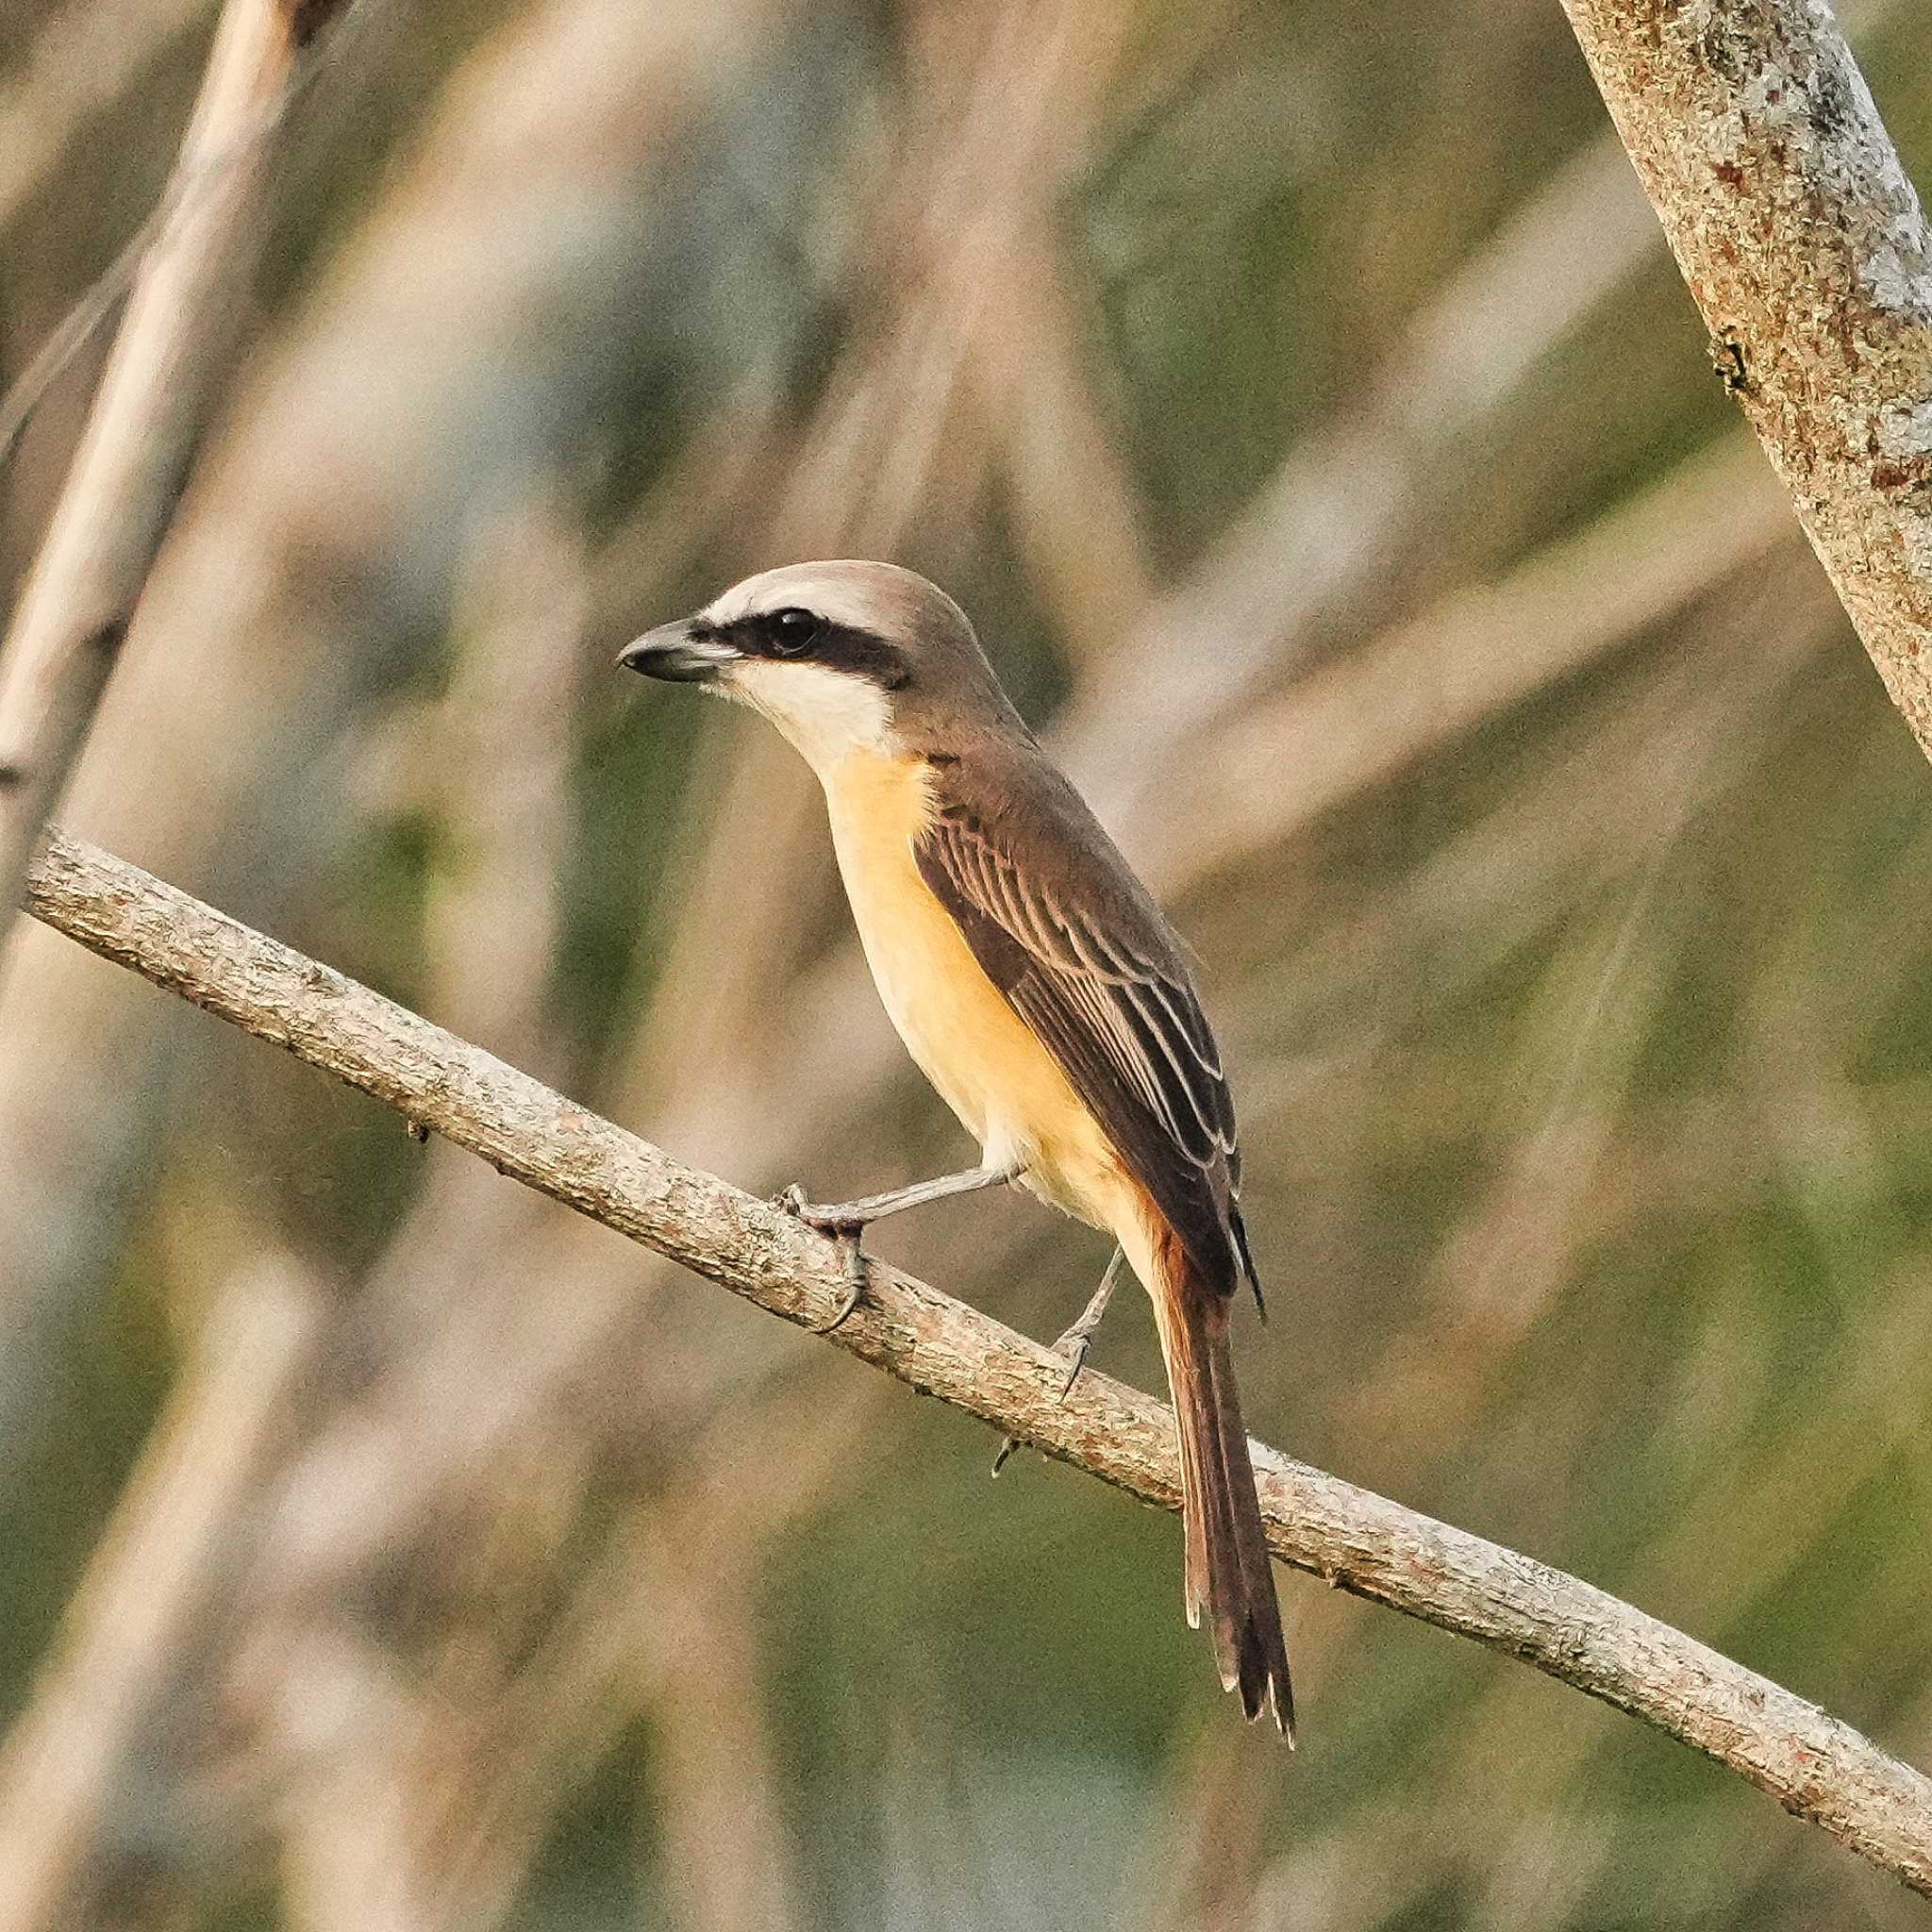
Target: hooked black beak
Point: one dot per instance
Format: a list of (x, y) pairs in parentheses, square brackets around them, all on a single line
[(680, 652)]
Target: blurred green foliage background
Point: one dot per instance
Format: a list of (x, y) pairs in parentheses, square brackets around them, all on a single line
[(1302, 401)]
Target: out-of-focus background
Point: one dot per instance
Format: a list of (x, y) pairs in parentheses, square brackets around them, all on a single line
[(1302, 401)]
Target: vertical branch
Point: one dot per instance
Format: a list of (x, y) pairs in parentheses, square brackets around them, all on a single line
[(1803, 243), (157, 395)]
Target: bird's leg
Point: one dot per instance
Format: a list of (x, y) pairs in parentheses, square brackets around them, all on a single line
[(846, 1221), (1079, 1337), (830, 1217), (1076, 1339)]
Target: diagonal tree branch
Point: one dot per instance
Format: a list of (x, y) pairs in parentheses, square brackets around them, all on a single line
[(1815, 1766), (189, 265), (1803, 242)]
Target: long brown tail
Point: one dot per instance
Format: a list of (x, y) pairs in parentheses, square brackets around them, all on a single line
[(1226, 1569)]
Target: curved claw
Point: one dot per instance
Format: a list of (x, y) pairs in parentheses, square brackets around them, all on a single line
[(1085, 1343), (1082, 1344), (1079, 1340), (837, 1226), (854, 1254)]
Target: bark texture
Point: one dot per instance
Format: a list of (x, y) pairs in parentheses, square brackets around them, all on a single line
[(1803, 242), (1813, 1765)]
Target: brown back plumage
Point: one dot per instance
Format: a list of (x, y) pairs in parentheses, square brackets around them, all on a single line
[(1075, 942), (1062, 927)]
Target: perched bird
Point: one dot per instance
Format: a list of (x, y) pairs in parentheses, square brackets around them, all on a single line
[(1038, 986)]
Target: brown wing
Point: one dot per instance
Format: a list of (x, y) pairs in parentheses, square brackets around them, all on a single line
[(1082, 953)]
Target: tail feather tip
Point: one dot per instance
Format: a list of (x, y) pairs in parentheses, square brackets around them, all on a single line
[(1281, 1706)]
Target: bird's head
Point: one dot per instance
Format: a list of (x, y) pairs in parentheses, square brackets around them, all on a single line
[(841, 657)]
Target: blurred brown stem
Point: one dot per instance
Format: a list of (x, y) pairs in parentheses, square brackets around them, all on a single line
[(157, 395), (81, 1775), (1815, 1766), (1802, 241)]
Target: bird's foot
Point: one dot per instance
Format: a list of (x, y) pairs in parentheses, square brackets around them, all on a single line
[(838, 1223), (1075, 1343)]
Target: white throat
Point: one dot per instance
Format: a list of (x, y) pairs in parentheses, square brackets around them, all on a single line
[(827, 714)]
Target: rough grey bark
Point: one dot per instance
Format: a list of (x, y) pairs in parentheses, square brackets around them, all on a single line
[(1803, 242), (1815, 1766), (183, 321)]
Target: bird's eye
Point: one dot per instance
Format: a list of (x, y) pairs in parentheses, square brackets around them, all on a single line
[(792, 630)]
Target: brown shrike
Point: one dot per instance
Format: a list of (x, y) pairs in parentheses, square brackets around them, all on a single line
[(1038, 986)]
